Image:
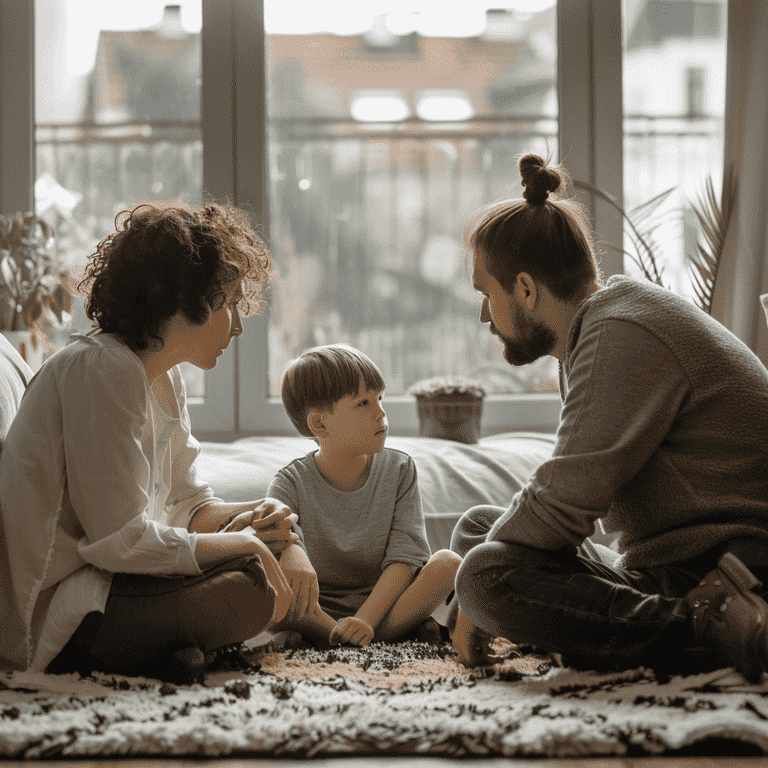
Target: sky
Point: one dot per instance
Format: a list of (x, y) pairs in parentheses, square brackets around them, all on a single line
[(67, 31), (84, 18)]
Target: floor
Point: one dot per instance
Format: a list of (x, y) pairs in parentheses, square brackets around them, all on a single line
[(691, 760), (409, 762)]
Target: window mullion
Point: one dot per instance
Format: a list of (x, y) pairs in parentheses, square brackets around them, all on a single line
[(590, 109), (17, 127), (217, 412), (255, 412)]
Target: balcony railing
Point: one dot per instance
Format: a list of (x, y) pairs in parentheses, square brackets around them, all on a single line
[(367, 220)]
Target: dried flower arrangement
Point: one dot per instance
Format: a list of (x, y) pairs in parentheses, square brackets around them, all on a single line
[(448, 386), (34, 292)]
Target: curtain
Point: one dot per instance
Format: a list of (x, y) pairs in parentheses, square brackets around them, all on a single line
[(743, 273)]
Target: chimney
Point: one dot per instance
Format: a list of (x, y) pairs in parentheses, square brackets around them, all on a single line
[(170, 26), (501, 24)]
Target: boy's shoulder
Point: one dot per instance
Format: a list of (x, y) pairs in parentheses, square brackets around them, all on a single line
[(388, 461), (386, 456), (396, 454), (392, 458), (299, 465)]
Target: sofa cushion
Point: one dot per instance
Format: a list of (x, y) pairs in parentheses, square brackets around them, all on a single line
[(15, 374)]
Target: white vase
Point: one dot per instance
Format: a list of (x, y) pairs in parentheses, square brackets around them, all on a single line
[(22, 343)]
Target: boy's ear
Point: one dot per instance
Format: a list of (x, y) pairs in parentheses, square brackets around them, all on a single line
[(316, 423)]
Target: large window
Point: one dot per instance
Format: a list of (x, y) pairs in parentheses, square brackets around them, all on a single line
[(389, 124), (117, 123), (381, 139), (360, 143)]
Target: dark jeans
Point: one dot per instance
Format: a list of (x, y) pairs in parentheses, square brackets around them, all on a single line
[(146, 616), (576, 603)]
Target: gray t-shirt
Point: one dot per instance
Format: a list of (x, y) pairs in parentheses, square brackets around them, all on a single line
[(350, 538)]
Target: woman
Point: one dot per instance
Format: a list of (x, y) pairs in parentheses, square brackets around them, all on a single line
[(113, 554)]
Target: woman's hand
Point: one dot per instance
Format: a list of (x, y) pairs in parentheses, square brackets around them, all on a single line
[(271, 521), (303, 580), (352, 631)]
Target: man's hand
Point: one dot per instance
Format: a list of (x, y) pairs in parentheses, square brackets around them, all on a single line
[(271, 520), (352, 631), (302, 579), (471, 643)]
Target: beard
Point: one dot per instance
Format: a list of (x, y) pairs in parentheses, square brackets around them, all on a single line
[(533, 339)]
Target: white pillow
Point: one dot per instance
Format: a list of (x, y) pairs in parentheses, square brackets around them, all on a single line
[(15, 374)]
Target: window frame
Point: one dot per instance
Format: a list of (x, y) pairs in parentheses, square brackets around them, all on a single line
[(233, 124), (590, 116)]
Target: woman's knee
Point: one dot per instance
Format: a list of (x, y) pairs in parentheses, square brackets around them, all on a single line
[(230, 607)]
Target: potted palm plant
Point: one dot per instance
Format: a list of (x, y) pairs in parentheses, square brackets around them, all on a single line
[(713, 216), (34, 299)]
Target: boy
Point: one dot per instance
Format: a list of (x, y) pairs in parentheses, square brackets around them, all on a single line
[(363, 569)]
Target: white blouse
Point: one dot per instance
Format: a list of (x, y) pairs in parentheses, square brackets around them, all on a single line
[(95, 479)]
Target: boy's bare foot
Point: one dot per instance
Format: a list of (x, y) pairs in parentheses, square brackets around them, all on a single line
[(471, 643)]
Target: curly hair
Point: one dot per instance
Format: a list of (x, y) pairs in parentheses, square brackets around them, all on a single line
[(169, 257), (549, 239)]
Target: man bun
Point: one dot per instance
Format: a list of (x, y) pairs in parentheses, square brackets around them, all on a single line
[(539, 179)]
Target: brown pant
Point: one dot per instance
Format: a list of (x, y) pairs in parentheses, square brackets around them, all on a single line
[(146, 616)]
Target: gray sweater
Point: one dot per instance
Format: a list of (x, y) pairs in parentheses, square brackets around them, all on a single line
[(663, 434), (350, 538)]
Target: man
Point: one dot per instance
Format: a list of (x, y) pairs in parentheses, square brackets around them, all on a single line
[(662, 438)]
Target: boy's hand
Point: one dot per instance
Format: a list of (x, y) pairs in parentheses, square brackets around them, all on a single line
[(271, 520), (303, 581), (352, 631)]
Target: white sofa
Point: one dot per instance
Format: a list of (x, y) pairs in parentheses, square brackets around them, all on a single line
[(452, 476)]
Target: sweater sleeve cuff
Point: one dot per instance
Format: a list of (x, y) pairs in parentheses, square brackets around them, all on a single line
[(521, 526)]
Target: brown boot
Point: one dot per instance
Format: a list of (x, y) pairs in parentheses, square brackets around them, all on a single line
[(729, 617)]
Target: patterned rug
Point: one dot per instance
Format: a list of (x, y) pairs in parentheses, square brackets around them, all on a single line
[(410, 698)]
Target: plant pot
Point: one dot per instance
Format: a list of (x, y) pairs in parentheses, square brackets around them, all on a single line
[(450, 417), (22, 343)]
